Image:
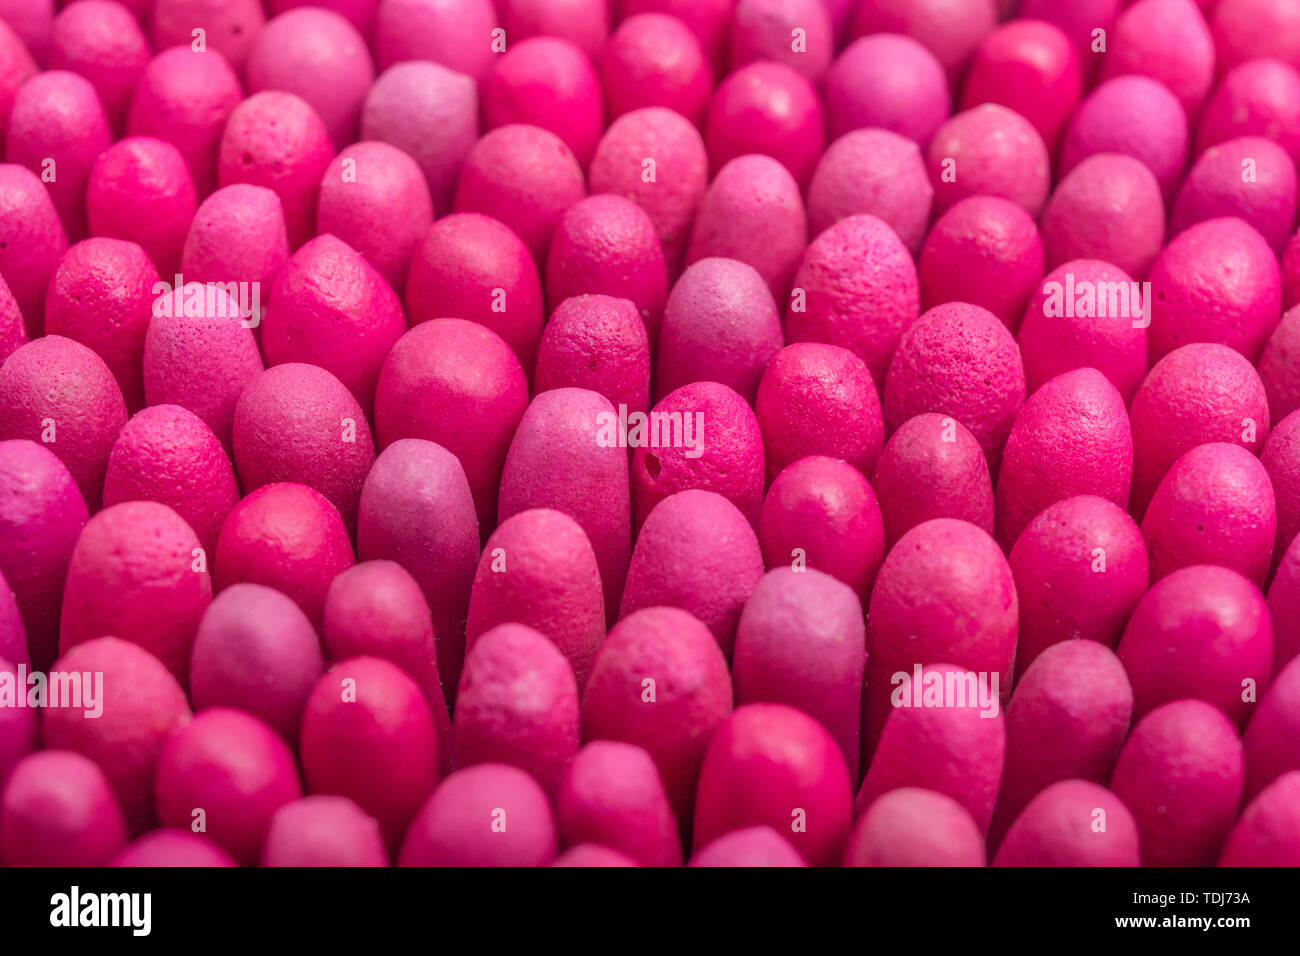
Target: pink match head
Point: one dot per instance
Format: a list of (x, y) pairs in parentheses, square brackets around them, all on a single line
[(1086, 313), (599, 343), (887, 81), (256, 651), (289, 537), (429, 112), (277, 140), (654, 60), (140, 706), (877, 172), (989, 150), (167, 454), (753, 212), (915, 827), (185, 98), (1109, 208)]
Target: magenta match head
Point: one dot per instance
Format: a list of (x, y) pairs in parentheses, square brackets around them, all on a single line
[(1136, 116), (800, 641), (458, 384), (993, 151), (607, 245), (931, 467), (767, 108), (537, 730), (769, 761), (1180, 774), (538, 569), (1080, 567), (1200, 632), (763, 30), (611, 794), (1086, 313), (367, 734), (818, 399), (416, 509), (167, 454), (1061, 826), (323, 830), (460, 823), (138, 571), (32, 241), (472, 267), (958, 360), (720, 324), (104, 43), (1169, 41), (102, 295), (167, 847), (140, 189), (915, 827), (821, 513), (57, 129), (550, 83), (1071, 438), (668, 654), (866, 311), (1218, 281), (1214, 506), (748, 846), (41, 516), (1258, 98), (585, 23), (985, 251), (695, 551), (456, 34), (1031, 67), (185, 98), (230, 28), (1068, 718), (57, 809), (1196, 394), (1247, 29), (236, 769), (288, 537), (1268, 831), (1281, 459), (1217, 186), (430, 112), (16, 68), (654, 60), (597, 342), (524, 176)]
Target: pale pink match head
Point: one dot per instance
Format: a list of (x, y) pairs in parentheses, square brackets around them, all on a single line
[(887, 81), (323, 830), (989, 150), (915, 827), (1072, 823), (429, 112), (256, 651), (1169, 41), (748, 846), (753, 212)]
